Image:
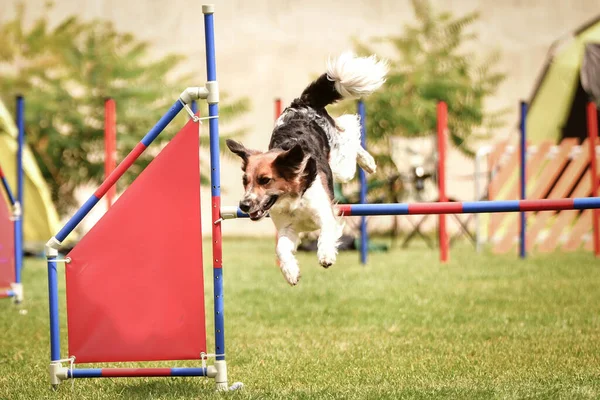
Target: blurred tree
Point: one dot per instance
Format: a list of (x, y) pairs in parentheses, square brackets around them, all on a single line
[(431, 61), (66, 73)]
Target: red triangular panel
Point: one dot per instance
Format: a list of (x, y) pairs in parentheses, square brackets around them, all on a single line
[(135, 289), (7, 246)]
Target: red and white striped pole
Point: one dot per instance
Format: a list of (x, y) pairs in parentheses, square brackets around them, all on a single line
[(110, 145), (442, 127)]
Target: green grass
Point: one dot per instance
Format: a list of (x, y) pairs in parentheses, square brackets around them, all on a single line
[(481, 327)]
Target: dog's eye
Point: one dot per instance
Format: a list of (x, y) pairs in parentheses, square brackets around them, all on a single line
[(264, 180)]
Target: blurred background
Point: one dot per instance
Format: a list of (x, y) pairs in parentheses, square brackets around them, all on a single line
[(481, 56)]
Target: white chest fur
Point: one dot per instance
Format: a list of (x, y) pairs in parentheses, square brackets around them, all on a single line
[(303, 213)]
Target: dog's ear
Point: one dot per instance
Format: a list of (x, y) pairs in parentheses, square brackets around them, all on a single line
[(290, 163), (240, 150), (237, 148)]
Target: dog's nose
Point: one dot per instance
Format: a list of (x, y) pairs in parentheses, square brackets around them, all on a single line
[(245, 205)]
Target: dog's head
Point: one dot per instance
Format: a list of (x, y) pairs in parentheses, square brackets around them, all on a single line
[(270, 175)]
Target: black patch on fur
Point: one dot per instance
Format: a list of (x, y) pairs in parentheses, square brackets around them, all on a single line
[(289, 162), (303, 125), (301, 129), (320, 93)]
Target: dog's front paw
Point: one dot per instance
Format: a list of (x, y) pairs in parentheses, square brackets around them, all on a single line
[(291, 272), (326, 257)]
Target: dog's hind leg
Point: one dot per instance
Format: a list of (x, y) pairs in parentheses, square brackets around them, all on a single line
[(346, 149), (366, 160)]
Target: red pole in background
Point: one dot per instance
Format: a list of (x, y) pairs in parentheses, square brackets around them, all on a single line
[(277, 108), (592, 124), (110, 144), (442, 127), (277, 114)]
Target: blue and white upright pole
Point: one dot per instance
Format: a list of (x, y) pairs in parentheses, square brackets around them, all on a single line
[(364, 239), (523, 150), (18, 209), (215, 181)]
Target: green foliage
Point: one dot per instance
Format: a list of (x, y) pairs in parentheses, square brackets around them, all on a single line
[(66, 72), (431, 62)]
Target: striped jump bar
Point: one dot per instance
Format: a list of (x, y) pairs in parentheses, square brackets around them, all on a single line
[(7, 293), (11, 197), (467, 207), (134, 372)]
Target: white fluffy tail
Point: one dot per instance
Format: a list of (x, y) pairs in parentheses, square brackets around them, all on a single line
[(356, 76)]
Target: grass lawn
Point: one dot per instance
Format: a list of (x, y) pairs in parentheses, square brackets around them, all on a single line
[(480, 327)]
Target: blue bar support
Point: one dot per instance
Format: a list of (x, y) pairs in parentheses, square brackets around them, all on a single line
[(364, 239), (53, 303), (20, 186), (523, 163)]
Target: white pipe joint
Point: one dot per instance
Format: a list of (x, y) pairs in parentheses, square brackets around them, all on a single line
[(213, 92), (221, 376), (229, 212), (17, 289), (483, 151), (58, 373), (208, 9), (211, 372), (193, 93), (52, 247), (16, 210)]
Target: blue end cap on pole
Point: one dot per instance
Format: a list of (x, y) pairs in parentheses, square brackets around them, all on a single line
[(586, 203), (188, 371), (85, 373), (523, 164)]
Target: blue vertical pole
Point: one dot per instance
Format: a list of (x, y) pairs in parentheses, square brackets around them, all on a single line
[(364, 240), (19, 221), (522, 244), (53, 303), (194, 106), (213, 111)]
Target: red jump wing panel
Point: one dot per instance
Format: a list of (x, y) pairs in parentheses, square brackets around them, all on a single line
[(7, 246), (135, 289)]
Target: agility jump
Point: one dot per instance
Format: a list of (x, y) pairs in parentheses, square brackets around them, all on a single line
[(147, 253)]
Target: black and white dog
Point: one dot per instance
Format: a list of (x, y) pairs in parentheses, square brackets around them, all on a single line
[(293, 180)]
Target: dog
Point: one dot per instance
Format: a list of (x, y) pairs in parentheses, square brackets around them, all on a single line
[(293, 180)]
